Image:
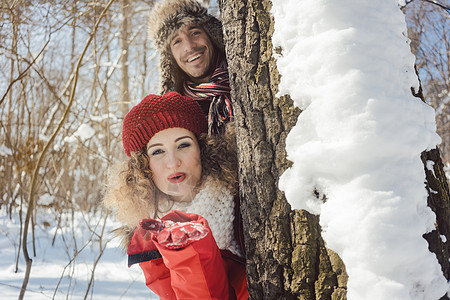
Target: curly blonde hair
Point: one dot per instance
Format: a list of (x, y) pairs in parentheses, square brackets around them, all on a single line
[(132, 195)]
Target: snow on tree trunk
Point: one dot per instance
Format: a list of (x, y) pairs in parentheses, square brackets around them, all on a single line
[(286, 256), (356, 151), (358, 143)]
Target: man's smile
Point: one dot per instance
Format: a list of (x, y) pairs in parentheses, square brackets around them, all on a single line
[(194, 58)]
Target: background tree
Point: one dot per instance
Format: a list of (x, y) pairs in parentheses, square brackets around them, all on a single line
[(429, 30), (40, 45)]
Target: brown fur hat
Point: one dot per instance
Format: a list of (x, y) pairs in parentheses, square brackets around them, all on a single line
[(164, 21)]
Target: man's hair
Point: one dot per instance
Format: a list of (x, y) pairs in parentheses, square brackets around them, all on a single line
[(165, 19)]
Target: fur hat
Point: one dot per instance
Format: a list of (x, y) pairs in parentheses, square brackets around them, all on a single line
[(156, 113), (165, 19)]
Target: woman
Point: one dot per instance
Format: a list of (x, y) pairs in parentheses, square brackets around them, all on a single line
[(176, 195)]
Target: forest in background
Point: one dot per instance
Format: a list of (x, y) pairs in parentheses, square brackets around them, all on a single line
[(40, 45)]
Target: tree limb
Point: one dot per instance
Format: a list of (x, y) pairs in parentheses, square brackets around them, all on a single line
[(447, 8), (434, 2), (24, 73)]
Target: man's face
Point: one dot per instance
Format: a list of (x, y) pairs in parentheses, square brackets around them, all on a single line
[(193, 52)]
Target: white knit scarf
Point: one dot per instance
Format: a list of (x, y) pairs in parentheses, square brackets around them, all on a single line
[(215, 203)]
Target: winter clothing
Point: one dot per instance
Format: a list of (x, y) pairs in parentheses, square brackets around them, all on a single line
[(175, 234), (193, 272), (209, 267), (214, 96), (155, 113), (216, 204), (164, 21), (192, 255)]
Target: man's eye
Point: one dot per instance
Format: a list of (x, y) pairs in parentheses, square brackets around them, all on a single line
[(156, 152), (184, 145), (196, 32), (176, 42)]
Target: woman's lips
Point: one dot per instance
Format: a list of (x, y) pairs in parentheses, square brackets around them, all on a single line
[(177, 177)]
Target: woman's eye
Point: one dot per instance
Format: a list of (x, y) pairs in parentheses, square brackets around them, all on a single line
[(184, 145), (157, 152)]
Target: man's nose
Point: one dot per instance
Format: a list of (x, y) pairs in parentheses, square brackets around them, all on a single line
[(189, 44)]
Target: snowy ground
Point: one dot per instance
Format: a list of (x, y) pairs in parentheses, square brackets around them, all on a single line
[(55, 274)]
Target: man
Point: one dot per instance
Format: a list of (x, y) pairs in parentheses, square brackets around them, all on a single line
[(192, 57)]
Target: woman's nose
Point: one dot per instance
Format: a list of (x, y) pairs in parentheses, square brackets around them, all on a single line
[(173, 161)]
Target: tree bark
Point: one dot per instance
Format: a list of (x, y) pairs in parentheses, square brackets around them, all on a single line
[(439, 202), (286, 255), (124, 46)]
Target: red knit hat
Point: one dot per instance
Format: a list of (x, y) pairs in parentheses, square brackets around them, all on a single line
[(155, 113)]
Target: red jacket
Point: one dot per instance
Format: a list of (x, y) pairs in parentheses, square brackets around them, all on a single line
[(197, 271)]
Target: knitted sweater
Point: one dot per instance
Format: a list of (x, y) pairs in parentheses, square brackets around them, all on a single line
[(215, 203)]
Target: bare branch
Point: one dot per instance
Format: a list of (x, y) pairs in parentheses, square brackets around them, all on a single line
[(447, 8), (444, 7), (24, 73)]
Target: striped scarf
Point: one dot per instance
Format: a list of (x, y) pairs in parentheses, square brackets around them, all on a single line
[(217, 92)]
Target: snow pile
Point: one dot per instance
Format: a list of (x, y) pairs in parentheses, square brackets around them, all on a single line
[(83, 133), (348, 65)]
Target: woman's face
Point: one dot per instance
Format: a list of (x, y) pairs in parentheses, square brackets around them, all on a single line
[(175, 162)]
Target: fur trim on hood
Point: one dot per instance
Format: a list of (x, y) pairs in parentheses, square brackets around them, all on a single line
[(165, 19), (124, 233)]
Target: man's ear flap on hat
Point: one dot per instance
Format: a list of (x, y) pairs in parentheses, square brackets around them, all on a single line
[(214, 30), (171, 76)]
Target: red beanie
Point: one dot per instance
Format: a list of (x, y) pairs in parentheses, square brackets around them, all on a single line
[(155, 113)]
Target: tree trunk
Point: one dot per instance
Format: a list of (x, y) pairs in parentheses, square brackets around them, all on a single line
[(286, 256), (124, 46), (439, 201)]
